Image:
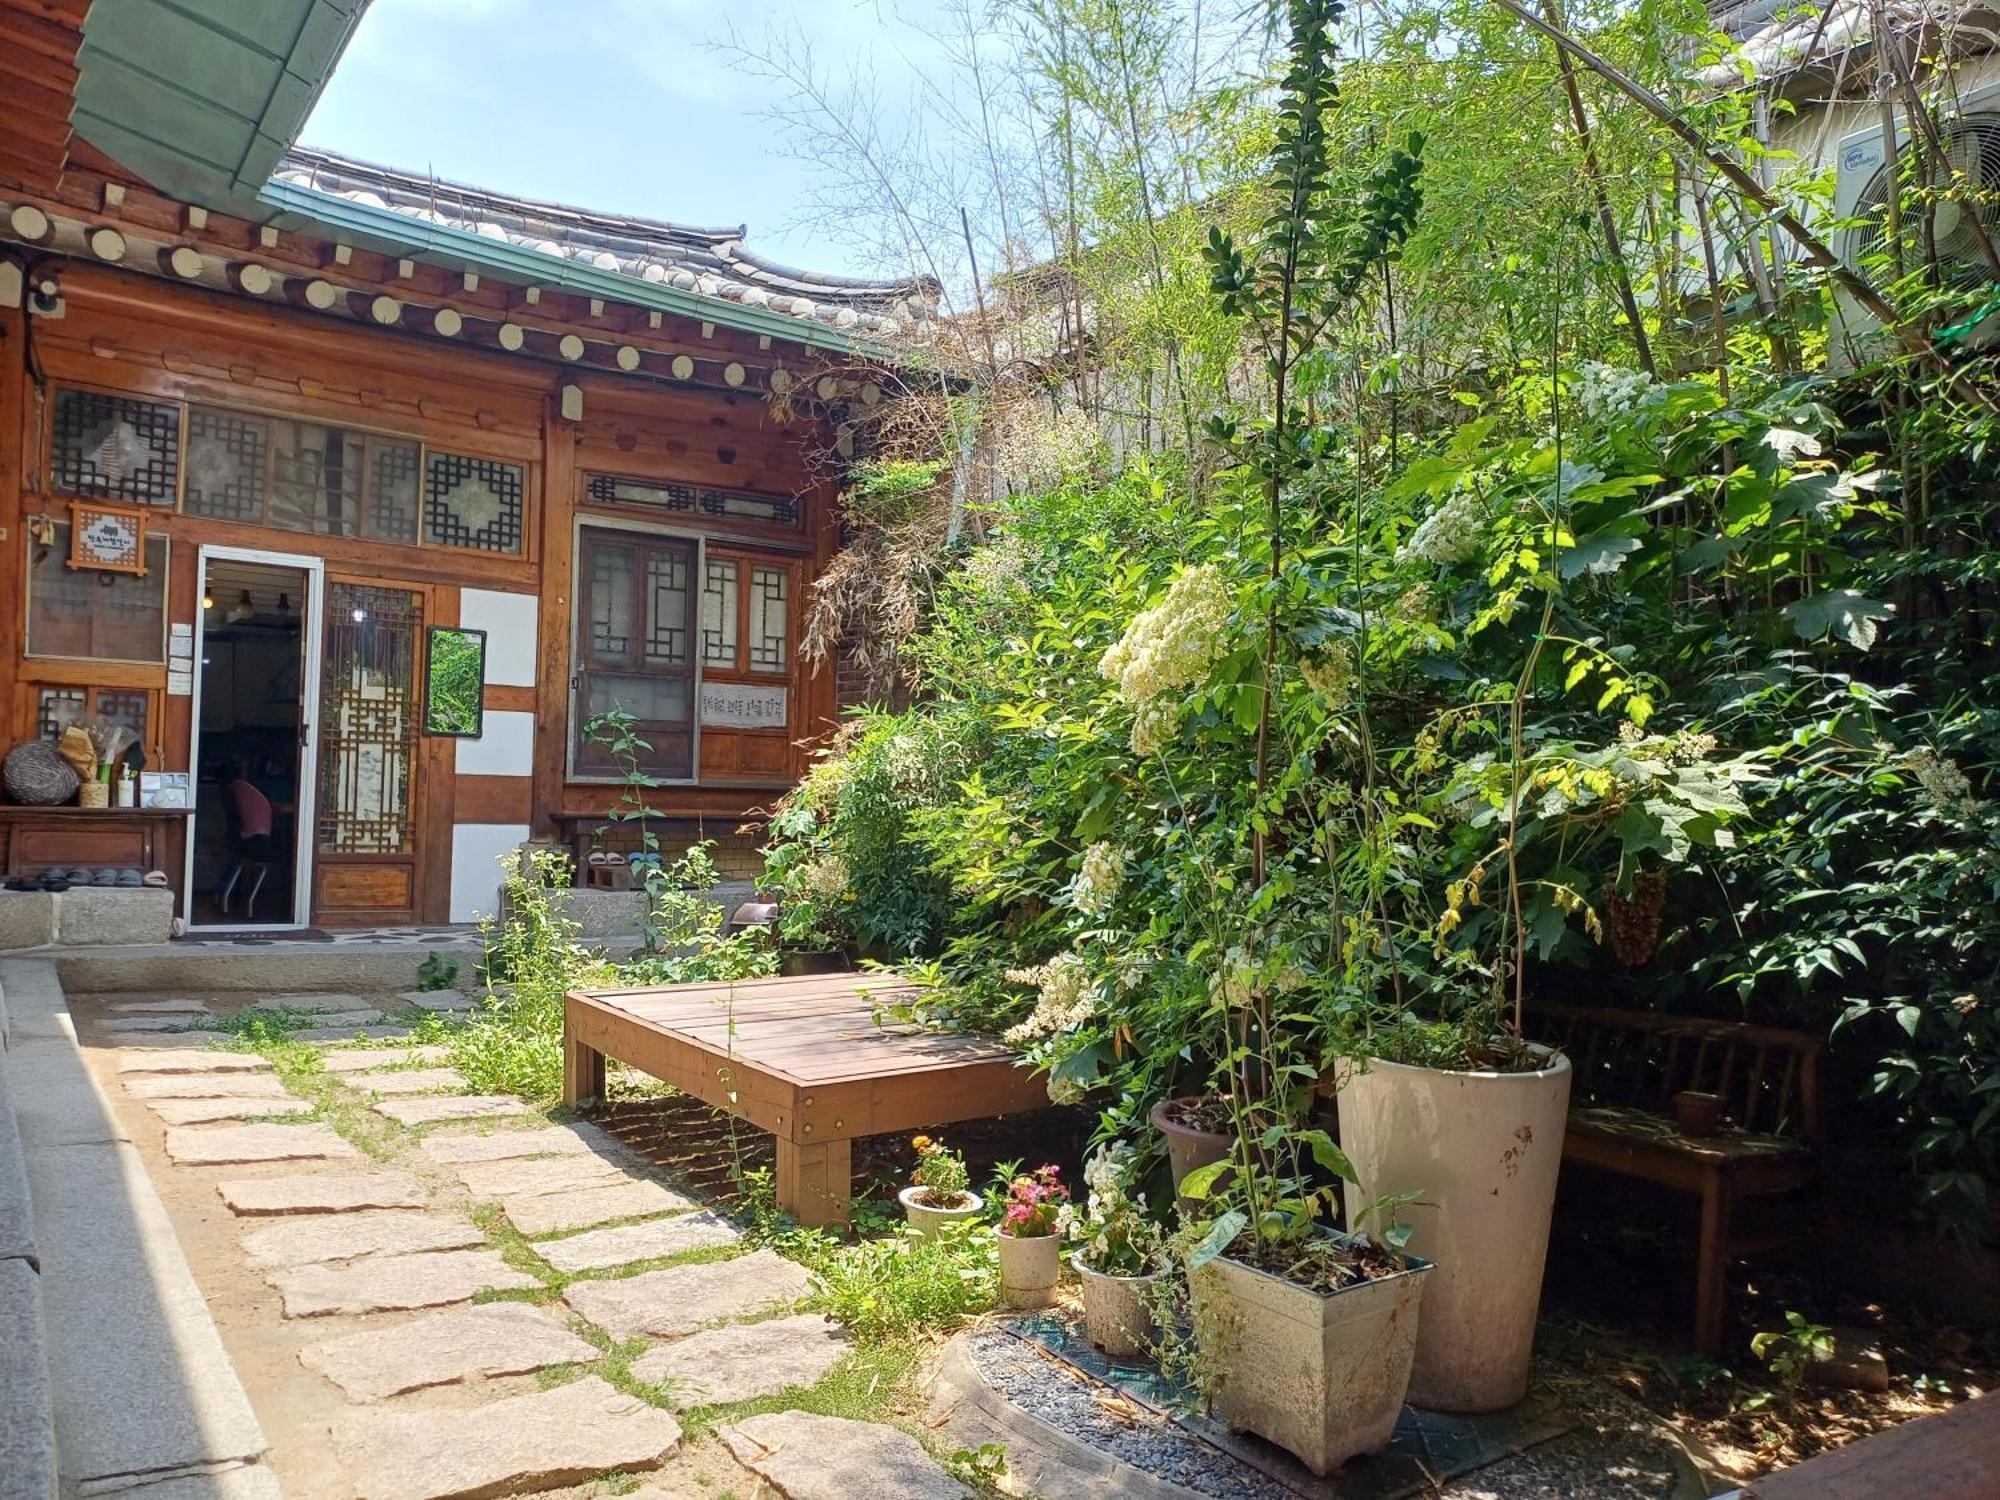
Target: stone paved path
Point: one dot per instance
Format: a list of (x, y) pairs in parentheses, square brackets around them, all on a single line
[(459, 1355)]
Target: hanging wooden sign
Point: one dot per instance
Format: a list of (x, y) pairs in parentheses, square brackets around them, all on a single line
[(107, 538)]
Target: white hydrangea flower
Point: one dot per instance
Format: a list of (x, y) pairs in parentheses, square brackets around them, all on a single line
[(1153, 725), (825, 878), (1065, 998), (1098, 881), (1606, 391), (1173, 644), (1944, 784), (1330, 674), (1449, 534)]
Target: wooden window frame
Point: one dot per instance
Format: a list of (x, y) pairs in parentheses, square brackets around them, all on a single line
[(580, 599)]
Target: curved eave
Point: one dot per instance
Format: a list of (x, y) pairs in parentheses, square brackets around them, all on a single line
[(387, 232)]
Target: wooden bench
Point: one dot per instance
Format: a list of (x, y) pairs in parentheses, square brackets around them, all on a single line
[(1628, 1065), (803, 1057)]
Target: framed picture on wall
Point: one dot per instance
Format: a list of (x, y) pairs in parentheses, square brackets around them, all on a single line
[(455, 682)]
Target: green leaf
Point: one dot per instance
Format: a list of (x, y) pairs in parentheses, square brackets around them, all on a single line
[(1599, 554), (1328, 1155), (1221, 1235), (1845, 613), (1199, 1183)]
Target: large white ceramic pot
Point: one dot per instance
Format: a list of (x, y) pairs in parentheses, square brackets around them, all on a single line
[(926, 1220), (1117, 1312), (1029, 1267), (1321, 1374), (1483, 1149)]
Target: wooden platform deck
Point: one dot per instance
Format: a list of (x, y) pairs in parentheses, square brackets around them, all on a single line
[(802, 1058)]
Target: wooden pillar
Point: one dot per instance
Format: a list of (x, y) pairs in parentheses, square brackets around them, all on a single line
[(816, 1181), (583, 1071), (1712, 1266), (559, 491), (15, 428)]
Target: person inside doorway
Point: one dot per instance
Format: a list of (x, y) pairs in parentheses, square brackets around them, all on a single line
[(251, 847)]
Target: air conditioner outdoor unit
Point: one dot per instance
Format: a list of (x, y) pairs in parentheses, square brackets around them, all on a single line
[(1971, 137)]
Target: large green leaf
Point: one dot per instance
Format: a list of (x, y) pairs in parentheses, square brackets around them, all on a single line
[(1846, 613), (1222, 1232)]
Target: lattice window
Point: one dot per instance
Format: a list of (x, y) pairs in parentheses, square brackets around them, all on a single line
[(611, 612), (473, 502), (226, 461), (54, 709), (718, 613), (392, 493), (95, 616), (125, 706), (770, 618), (316, 477), (368, 719), (688, 499), (666, 618), (117, 447)]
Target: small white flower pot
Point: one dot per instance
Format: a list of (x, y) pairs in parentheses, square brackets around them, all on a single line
[(1117, 1315), (1029, 1268), (926, 1220)]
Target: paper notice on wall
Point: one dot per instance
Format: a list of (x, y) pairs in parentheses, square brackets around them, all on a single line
[(180, 681), (736, 705), (180, 643)]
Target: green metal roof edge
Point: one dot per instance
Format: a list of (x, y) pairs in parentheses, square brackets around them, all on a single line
[(325, 27), (389, 232)]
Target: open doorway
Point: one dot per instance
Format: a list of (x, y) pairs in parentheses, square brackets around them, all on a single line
[(249, 861)]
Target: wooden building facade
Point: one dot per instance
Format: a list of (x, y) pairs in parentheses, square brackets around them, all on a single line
[(271, 478)]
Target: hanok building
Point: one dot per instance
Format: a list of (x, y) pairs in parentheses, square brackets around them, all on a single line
[(375, 491)]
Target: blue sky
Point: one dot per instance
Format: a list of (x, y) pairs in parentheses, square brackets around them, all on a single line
[(619, 105)]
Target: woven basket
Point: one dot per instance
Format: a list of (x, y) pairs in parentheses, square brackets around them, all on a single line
[(93, 794), (36, 776)]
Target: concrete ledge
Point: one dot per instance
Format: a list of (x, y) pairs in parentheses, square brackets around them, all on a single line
[(85, 916), (142, 1389), (27, 1436)]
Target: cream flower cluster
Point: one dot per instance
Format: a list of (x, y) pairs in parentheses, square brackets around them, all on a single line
[(1098, 881), (1173, 644), (825, 878), (1153, 725), (1944, 784), (1065, 998), (1607, 391), (1330, 674), (1449, 534)]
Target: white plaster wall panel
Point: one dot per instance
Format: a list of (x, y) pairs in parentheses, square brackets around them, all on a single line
[(475, 866), (510, 622), (505, 747)]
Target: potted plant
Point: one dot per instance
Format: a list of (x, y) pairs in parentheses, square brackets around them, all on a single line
[(1117, 1258), (1307, 1333), (1196, 1127), (1030, 1246), (940, 1191)]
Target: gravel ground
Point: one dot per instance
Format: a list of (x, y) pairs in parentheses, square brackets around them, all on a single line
[(1581, 1465), (1048, 1390)]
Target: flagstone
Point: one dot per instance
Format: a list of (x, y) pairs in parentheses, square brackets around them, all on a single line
[(207, 1111), (160, 1008), (163, 1042), (347, 1033), (122, 1026), (603, 1249), (393, 1283), (413, 1081), (190, 1060), (502, 1145), (587, 1207), (322, 1193), (540, 1441), (532, 1175), (323, 1237), (327, 1005), (228, 1145), (744, 1361), (810, 1457), (438, 1000), (208, 1086), (682, 1299), (498, 1338), (426, 1108), (361, 1059)]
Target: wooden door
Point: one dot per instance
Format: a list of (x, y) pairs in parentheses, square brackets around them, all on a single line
[(371, 708), (635, 649)]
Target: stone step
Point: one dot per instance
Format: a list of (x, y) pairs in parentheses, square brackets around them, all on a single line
[(501, 1145), (683, 1299), (388, 1231), (395, 1283), (410, 1081), (571, 1434), (329, 1194), (208, 1111), (360, 1059), (587, 1207), (745, 1361), (190, 1060), (499, 1338), (422, 1110), (809, 1457), (605, 1249), (531, 1176), (208, 1086), (234, 1145)]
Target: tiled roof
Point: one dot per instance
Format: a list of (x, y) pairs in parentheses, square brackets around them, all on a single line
[(708, 262)]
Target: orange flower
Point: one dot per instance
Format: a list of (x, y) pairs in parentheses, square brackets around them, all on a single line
[(922, 1143)]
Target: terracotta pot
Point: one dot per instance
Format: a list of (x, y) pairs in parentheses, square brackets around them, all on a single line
[(1696, 1113), (1483, 1150), (1187, 1148), (1117, 1317), (1029, 1268), (926, 1220), (1321, 1374)]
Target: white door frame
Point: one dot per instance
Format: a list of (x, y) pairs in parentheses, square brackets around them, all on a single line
[(312, 624)]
